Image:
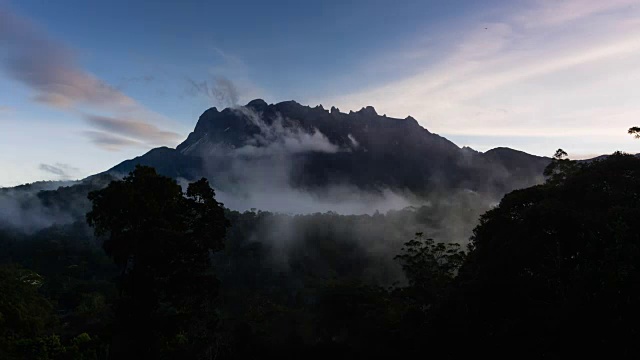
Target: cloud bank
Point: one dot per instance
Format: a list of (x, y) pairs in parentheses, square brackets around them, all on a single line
[(258, 172)]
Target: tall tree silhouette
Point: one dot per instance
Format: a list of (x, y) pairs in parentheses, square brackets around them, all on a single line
[(162, 239)]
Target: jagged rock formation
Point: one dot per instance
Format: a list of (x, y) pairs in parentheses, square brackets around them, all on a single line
[(360, 148)]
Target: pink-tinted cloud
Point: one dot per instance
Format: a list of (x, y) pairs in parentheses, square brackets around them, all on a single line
[(111, 142), (50, 70), (545, 68), (144, 132)]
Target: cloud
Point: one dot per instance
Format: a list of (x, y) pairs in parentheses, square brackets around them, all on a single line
[(278, 139), (132, 129), (50, 70), (63, 171), (545, 13), (226, 83), (4, 108), (353, 140), (529, 69), (111, 142), (221, 91), (143, 79), (259, 172)]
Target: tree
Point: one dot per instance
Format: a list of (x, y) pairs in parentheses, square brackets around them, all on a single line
[(554, 268), (24, 312), (429, 266), (635, 131), (162, 240), (560, 167), (560, 154)]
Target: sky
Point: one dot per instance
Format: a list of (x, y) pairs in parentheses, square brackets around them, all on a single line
[(85, 85)]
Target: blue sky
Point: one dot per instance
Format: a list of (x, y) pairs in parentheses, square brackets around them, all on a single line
[(85, 85)]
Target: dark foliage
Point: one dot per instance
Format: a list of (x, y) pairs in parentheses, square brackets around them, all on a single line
[(554, 269), (162, 240)]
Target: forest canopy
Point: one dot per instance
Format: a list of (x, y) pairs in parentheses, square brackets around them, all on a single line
[(551, 270)]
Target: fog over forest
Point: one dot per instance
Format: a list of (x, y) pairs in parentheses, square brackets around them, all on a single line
[(193, 180)]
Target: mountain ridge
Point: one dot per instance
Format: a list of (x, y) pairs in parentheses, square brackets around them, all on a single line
[(324, 146)]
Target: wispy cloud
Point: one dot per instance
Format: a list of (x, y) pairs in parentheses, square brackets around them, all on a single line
[(221, 91), (225, 84), (544, 13), (275, 138), (132, 129), (143, 79), (111, 142), (49, 68), (61, 170), (545, 67), (5, 109)]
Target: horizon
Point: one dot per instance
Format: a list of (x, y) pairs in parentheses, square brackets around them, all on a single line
[(81, 93)]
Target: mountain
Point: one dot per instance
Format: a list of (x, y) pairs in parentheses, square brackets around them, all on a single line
[(296, 159), (312, 148)]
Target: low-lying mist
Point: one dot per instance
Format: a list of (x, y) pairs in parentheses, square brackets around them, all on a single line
[(357, 247), (33, 207), (21, 207), (258, 174), (336, 230)]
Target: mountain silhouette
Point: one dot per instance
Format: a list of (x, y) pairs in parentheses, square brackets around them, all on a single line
[(323, 147)]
